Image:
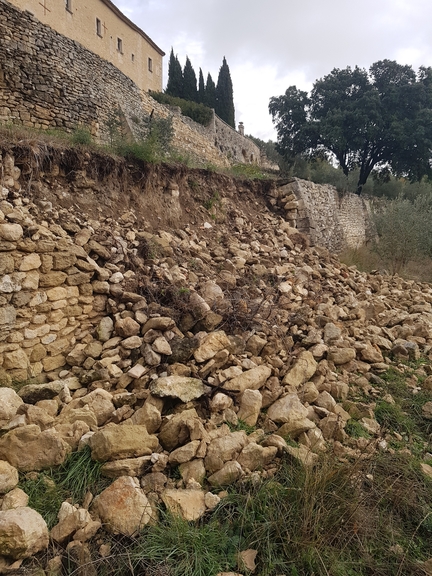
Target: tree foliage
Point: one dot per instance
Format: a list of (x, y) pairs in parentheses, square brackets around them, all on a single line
[(224, 95), (210, 92), (365, 119), (175, 77), (189, 82), (201, 88)]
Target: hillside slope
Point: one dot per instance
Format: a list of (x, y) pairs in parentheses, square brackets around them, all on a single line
[(168, 339)]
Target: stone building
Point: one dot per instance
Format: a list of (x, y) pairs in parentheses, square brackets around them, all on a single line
[(102, 28)]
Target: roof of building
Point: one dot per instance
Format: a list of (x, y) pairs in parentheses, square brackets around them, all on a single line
[(125, 19)]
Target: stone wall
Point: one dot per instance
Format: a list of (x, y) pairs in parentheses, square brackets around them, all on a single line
[(50, 81), (333, 221), (99, 26), (237, 147)]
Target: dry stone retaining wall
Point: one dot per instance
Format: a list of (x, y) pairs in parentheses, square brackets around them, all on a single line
[(50, 81), (330, 220)]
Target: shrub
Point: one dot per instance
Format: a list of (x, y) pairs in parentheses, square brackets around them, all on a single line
[(404, 231), (197, 112), (81, 135), (154, 143)]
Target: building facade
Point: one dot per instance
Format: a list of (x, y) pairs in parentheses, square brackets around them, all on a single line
[(102, 28)]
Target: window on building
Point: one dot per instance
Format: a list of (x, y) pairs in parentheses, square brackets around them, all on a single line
[(120, 45), (150, 65), (68, 4), (98, 27), (133, 57)]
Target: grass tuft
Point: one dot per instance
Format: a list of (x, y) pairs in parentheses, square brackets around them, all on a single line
[(73, 479)]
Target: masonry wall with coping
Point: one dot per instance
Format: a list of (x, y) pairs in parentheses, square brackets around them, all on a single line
[(50, 81)]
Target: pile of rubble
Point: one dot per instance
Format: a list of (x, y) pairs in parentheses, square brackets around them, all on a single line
[(187, 359)]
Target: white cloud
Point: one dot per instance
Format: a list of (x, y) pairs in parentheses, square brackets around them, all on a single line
[(270, 46)]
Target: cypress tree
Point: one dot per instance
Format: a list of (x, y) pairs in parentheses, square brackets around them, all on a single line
[(189, 82), (201, 88), (210, 93), (175, 77), (224, 95)]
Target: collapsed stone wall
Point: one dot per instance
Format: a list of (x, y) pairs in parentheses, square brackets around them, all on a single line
[(50, 81), (54, 289), (330, 220)]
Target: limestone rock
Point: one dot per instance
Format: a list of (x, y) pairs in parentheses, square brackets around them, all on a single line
[(303, 369), (16, 498), (11, 232), (193, 470), (189, 504), (28, 448), (228, 474), (211, 345), (182, 387), (225, 448), (371, 353), (294, 428), (8, 477), (254, 457), (105, 329), (33, 393), (99, 402), (123, 508), (126, 327), (23, 533), (119, 442), (252, 379), (176, 431), (70, 519), (287, 409), (135, 467), (149, 416), (10, 401), (184, 453), (341, 355), (250, 407), (246, 559)]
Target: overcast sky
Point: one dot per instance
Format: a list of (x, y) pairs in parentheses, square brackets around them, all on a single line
[(272, 44)]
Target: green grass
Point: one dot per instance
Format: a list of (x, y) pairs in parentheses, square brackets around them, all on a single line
[(356, 430), (48, 489), (405, 416), (252, 171), (336, 519), (241, 425)]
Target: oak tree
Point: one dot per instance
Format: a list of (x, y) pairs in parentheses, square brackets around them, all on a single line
[(366, 120)]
